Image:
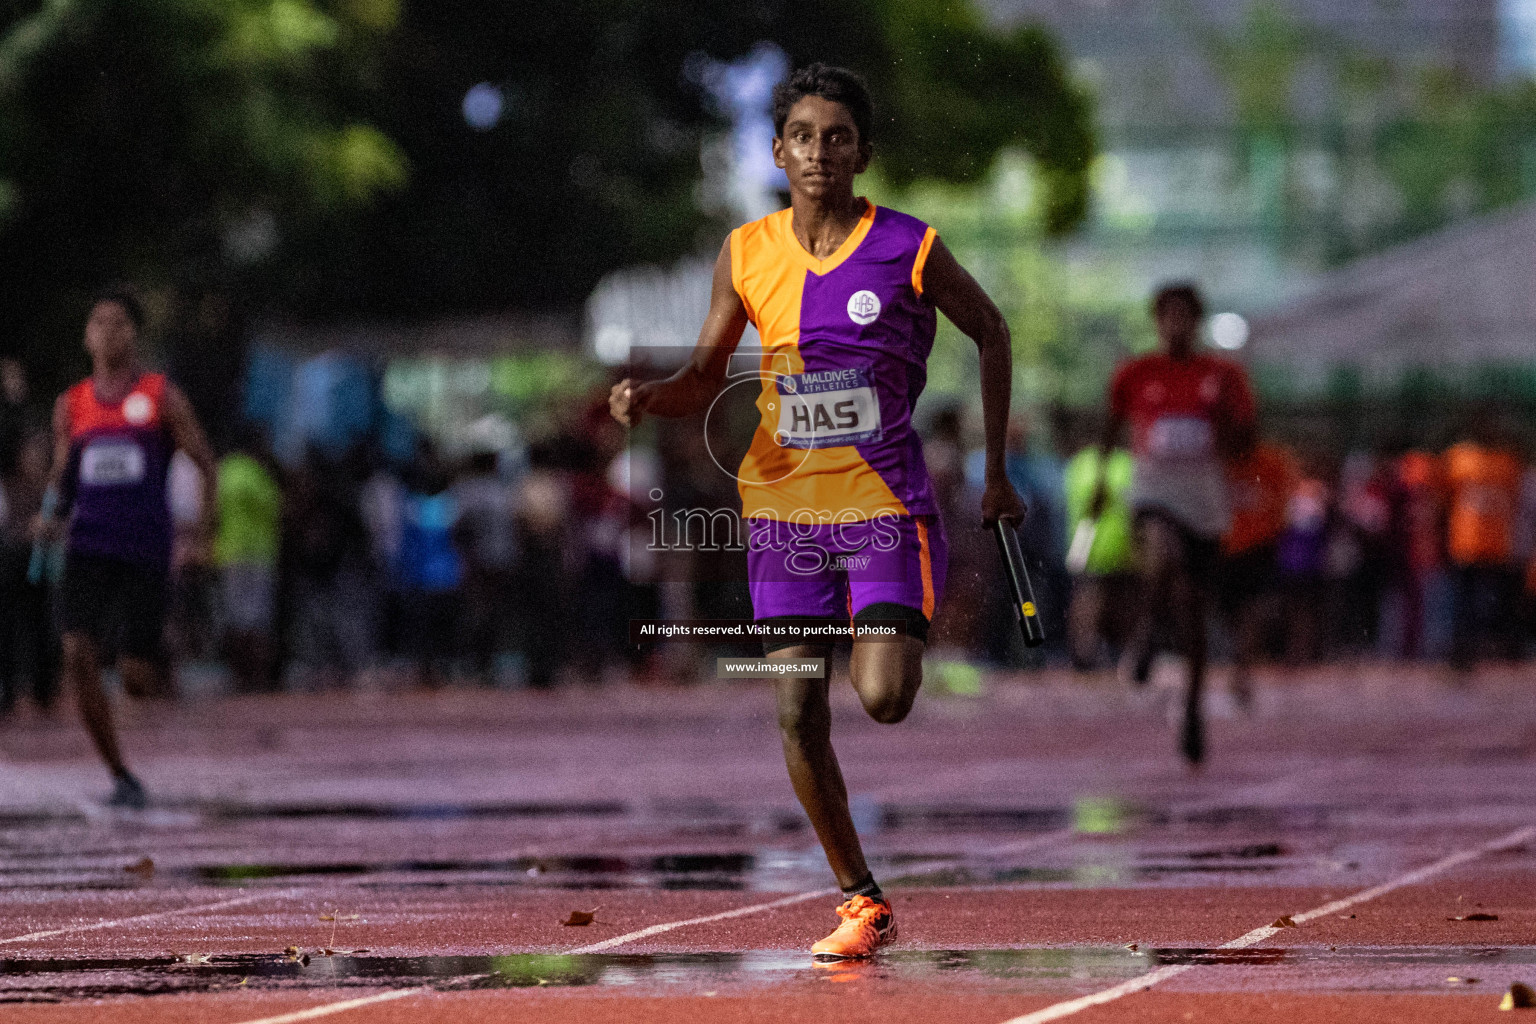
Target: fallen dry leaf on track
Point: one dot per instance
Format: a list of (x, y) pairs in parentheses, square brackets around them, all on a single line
[(1519, 997), (579, 918), (144, 867), (1475, 917), (1284, 922), (1463, 981), (1132, 946)]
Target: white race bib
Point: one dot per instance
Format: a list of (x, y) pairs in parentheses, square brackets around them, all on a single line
[(111, 463), (1181, 437), (827, 409)]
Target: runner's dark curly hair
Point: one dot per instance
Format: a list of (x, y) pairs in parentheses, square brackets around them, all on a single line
[(1182, 291), (830, 83), (125, 297)]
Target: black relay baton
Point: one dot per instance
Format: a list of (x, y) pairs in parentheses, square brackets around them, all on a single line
[(1018, 583)]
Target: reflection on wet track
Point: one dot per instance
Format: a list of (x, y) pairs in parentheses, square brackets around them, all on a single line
[(778, 860), (1049, 816), (1045, 968)]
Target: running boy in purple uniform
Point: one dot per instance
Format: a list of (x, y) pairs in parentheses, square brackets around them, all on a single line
[(842, 521), (114, 435)]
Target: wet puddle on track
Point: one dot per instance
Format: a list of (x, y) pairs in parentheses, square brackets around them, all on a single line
[(65, 980), (963, 833), (1091, 813), (764, 870)]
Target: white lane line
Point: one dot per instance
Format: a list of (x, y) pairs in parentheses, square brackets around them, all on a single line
[(925, 867), (1019, 846), (137, 918), (657, 929), (329, 1008), (1162, 974), (326, 1009), (916, 870)]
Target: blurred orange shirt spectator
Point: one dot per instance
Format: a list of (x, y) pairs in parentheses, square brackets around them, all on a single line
[(1483, 493), (1259, 485), (1418, 475)]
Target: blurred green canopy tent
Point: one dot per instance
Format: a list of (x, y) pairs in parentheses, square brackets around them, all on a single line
[(310, 156)]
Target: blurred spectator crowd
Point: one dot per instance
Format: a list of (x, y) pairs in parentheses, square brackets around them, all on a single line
[(1393, 553), (525, 567), (348, 568)]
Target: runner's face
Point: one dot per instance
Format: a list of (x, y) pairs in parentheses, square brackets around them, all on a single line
[(109, 332), (820, 149), (1176, 326)]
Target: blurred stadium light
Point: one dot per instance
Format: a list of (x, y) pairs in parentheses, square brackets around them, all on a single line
[(1518, 50), (740, 177), (649, 307), (483, 106), (1229, 331)]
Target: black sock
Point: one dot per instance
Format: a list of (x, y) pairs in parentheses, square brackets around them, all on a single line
[(867, 886)]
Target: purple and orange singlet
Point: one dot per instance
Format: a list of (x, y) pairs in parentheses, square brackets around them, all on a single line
[(119, 457), (845, 349)]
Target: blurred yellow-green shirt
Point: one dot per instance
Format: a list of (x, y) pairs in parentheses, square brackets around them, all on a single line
[(250, 513), (1112, 542)]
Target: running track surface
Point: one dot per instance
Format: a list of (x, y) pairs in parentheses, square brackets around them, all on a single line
[(419, 853)]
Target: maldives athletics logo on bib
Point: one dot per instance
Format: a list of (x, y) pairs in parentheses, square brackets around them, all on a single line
[(863, 307)]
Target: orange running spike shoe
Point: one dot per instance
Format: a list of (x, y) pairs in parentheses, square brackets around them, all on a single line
[(867, 925)]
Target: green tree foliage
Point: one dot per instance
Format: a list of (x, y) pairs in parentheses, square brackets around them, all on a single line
[(956, 93), (1415, 144), (167, 140), (311, 156), (1460, 149), (594, 162), (1071, 320)]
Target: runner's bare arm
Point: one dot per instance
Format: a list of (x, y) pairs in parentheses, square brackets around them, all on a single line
[(692, 388), (1114, 423), (955, 293), (48, 521), (188, 434), (1236, 423), (60, 441)]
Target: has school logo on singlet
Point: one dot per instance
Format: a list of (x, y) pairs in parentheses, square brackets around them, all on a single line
[(138, 408), (827, 409), (863, 307)]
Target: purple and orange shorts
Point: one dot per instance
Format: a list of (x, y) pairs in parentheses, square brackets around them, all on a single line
[(889, 567)]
